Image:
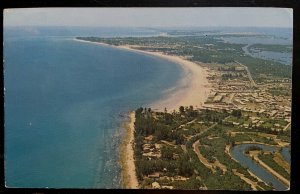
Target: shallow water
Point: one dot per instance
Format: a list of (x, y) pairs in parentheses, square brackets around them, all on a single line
[(63, 101)]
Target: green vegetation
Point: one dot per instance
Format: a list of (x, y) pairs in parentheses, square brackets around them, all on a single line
[(208, 153), (262, 139), (252, 148), (241, 137), (268, 159), (262, 70), (272, 47), (170, 153), (169, 147), (204, 49), (265, 127)]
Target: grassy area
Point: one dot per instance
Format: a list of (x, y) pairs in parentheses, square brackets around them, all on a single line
[(268, 159), (216, 150), (240, 120), (173, 131), (185, 164), (241, 137), (285, 138), (269, 123), (204, 49), (272, 47), (266, 140)]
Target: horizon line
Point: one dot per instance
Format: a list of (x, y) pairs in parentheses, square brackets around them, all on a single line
[(149, 26)]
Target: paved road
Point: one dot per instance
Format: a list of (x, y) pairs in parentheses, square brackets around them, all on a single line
[(249, 74)]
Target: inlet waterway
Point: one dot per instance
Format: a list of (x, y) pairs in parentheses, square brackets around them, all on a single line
[(238, 153), (281, 57)]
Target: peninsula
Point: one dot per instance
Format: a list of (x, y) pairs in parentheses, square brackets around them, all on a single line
[(225, 100)]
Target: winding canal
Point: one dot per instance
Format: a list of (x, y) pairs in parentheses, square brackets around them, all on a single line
[(238, 153)]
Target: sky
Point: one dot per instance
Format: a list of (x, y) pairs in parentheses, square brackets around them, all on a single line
[(149, 17)]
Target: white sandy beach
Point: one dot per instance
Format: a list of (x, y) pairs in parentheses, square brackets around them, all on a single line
[(129, 178), (192, 89)]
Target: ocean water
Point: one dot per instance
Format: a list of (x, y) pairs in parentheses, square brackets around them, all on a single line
[(65, 102)]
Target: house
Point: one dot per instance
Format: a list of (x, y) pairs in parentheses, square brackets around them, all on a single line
[(167, 187), (146, 150), (277, 125), (246, 125), (157, 146), (255, 121), (218, 98), (154, 175), (149, 138), (235, 123), (273, 113), (155, 185)]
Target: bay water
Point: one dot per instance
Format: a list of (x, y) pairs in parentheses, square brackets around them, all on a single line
[(65, 102)]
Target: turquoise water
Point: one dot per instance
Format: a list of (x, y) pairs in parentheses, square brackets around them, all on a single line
[(63, 101)]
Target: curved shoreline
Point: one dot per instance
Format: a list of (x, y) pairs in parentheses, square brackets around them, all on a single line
[(191, 90)]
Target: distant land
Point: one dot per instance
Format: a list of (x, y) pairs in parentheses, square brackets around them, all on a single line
[(188, 108), (235, 137)]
